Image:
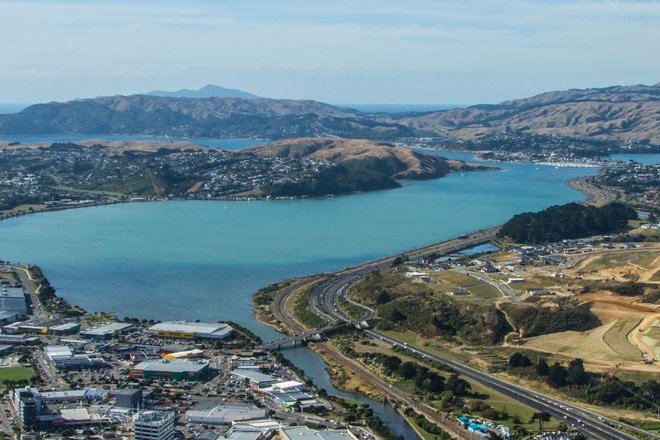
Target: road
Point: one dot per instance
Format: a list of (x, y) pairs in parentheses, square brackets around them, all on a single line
[(595, 195), (507, 292), (24, 276), (323, 301), (324, 305), (7, 429)]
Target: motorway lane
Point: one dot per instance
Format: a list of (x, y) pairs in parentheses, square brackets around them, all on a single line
[(556, 408), (25, 278), (324, 300)]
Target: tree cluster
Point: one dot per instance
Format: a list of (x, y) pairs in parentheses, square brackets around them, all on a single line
[(572, 220), (591, 387)]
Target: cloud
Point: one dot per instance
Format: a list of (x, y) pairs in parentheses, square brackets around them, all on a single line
[(164, 43)]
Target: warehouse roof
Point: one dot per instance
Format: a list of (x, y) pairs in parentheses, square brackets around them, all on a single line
[(65, 326), (224, 413), (173, 366), (107, 329), (210, 329), (254, 376), (13, 299), (304, 433)]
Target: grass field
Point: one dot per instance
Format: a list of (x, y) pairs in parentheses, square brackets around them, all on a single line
[(481, 292), (425, 435), (16, 373)]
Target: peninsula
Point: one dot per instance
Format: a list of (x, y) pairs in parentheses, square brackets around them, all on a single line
[(35, 177)]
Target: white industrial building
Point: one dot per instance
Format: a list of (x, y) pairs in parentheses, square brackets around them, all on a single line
[(191, 330), (107, 331), (63, 356), (304, 433), (223, 414)]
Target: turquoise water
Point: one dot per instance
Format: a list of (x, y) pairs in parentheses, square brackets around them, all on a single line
[(202, 259), (647, 159)]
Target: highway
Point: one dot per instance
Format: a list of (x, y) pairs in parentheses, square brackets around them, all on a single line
[(323, 302), (25, 278)]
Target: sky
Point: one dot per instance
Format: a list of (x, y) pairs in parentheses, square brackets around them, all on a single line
[(337, 51)]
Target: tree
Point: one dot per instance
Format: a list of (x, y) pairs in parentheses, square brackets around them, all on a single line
[(397, 316), (542, 367), (459, 386), (433, 383), (575, 373), (557, 375), (407, 370), (541, 418), (518, 360), (391, 364), (383, 297)]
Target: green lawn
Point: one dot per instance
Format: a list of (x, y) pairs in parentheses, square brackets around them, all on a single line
[(425, 435), (16, 373)]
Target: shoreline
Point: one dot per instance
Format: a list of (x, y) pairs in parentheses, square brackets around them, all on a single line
[(6, 215), (595, 195), (331, 356)]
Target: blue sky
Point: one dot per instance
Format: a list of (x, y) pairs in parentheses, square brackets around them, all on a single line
[(340, 51)]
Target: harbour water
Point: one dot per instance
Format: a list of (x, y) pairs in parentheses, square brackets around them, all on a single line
[(202, 260)]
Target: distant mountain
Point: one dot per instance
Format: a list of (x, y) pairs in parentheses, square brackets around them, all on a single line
[(197, 117), (612, 113), (625, 113), (208, 91)]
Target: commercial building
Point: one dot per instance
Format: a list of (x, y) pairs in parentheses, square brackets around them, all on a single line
[(17, 339), (12, 299), (154, 425), (223, 414), (64, 329), (30, 407), (255, 378), (107, 331), (69, 396), (63, 356), (129, 398), (27, 405), (304, 433), (253, 430), (7, 316), (191, 330), (176, 369)]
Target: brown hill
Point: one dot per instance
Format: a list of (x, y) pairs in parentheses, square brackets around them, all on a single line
[(630, 113), (394, 162)]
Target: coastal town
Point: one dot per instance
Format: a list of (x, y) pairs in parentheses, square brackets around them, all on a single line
[(543, 149), (67, 175), (93, 376), (638, 182)]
